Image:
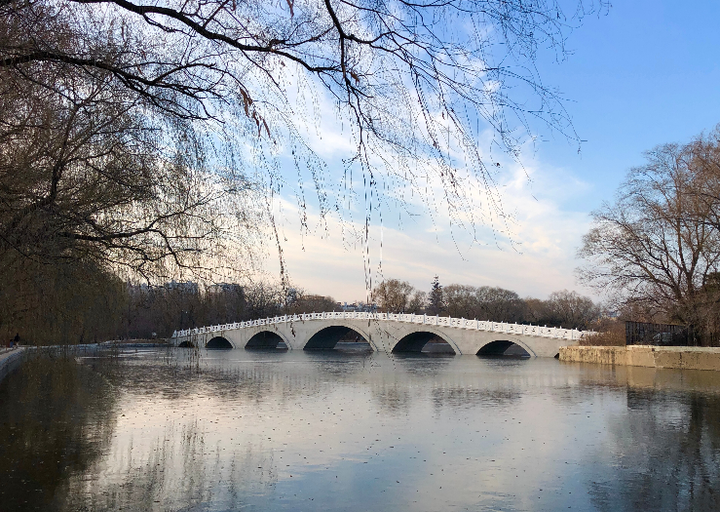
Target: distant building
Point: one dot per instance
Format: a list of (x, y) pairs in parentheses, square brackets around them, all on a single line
[(187, 286), (220, 288), (357, 306)]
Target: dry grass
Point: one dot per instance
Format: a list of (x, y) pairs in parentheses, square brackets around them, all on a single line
[(611, 335)]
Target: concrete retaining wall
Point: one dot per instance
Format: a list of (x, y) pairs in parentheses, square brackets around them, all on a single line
[(681, 358), (9, 361)]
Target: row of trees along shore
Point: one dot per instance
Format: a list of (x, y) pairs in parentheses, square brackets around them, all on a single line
[(106, 309), (110, 309)]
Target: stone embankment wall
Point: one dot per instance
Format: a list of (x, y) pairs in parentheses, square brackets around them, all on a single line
[(681, 358), (9, 359)]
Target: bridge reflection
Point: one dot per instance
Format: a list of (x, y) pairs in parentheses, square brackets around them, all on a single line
[(423, 341), (328, 338), (266, 340), (503, 348)]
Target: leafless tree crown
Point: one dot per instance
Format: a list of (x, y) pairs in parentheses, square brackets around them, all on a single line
[(657, 247), (132, 120)]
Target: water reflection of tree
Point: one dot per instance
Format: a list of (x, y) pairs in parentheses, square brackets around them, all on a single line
[(668, 451), (187, 473), (455, 397), (430, 367), (244, 383), (57, 418), (393, 398), (188, 469)]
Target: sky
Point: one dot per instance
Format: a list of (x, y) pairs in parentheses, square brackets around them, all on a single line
[(640, 74)]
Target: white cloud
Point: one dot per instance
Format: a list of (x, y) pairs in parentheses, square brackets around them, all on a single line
[(528, 245), (330, 258)]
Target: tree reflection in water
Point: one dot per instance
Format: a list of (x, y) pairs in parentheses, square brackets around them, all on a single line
[(56, 420), (667, 453)]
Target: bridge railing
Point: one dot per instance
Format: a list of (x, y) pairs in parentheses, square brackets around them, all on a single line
[(446, 321)]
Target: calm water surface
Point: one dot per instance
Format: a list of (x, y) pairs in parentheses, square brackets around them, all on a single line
[(272, 431)]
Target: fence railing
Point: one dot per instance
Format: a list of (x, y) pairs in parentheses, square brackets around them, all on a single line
[(642, 333), (457, 323)]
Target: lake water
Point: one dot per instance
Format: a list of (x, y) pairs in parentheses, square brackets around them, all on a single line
[(274, 431)]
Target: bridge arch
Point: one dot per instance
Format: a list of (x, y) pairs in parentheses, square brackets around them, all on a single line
[(186, 344), (500, 347), (325, 338), (219, 342), (267, 340), (416, 340)]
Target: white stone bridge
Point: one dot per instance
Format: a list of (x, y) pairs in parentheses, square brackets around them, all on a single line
[(385, 332)]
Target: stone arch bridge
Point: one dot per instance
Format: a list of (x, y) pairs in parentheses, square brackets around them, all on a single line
[(385, 332)]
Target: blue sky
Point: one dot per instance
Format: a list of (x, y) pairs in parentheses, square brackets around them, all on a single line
[(646, 73), (642, 74)]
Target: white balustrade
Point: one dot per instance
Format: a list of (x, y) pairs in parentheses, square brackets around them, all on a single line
[(458, 323)]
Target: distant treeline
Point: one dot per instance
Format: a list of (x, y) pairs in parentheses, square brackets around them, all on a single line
[(158, 311), (80, 303), (562, 308), (77, 302)]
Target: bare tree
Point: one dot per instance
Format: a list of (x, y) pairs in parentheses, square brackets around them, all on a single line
[(300, 301), (393, 295), (410, 79), (658, 245), (460, 301), (499, 304), (483, 303), (264, 300), (91, 170), (571, 310), (417, 304)]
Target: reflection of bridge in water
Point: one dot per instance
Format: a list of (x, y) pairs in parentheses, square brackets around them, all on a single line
[(382, 331)]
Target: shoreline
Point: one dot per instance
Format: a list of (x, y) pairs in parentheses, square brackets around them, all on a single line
[(648, 356), (10, 359)]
